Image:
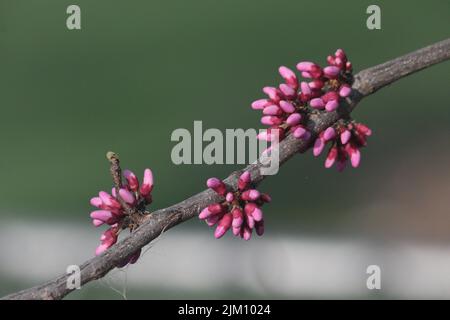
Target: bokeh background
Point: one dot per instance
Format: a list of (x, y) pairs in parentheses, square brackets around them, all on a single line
[(140, 69)]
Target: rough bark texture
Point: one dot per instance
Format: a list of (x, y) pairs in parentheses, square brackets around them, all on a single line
[(366, 82)]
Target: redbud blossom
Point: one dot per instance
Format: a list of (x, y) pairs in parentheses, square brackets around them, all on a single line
[(134, 196), (239, 210), (346, 138)]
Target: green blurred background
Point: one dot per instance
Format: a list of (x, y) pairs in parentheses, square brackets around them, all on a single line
[(140, 69)]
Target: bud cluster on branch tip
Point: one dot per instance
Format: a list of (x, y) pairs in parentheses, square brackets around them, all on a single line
[(239, 211), (122, 210), (287, 107), (346, 138)]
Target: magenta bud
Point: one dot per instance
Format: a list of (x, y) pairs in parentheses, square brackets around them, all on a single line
[(127, 196), (132, 180), (289, 76), (331, 157), (205, 213), (271, 120), (305, 66), (273, 93), (260, 104), (272, 110), (223, 226), (287, 106), (317, 103), (305, 88), (244, 180), (250, 195), (108, 200), (298, 132), (217, 185), (294, 119), (345, 91), (287, 90), (247, 234), (96, 202), (238, 218), (316, 84), (103, 215), (331, 105), (229, 197), (329, 134), (345, 136), (319, 144), (147, 183), (97, 222)]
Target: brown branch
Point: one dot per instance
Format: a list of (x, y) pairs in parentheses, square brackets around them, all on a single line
[(366, 82)]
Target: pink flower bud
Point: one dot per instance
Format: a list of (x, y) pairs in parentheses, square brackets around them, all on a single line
[(329, 134), (316, 84), (223, 226), (287, 90), (244, 181), (348, 66), (108, 200), (103, 215), (217, 185), (287, 106), (306, 75), (212, 220), (250, 195), (319, 144), (236, 230), (329, 96), (251, 209), (331, 72), (293, 119), (229, 197), (238, 218), (354, 154), (298, 132), (289, 76), (305, 66), (132, 180), (330, 60), (250, 221), (271, 120), (305, 88), (260, 104), (345, 91), (317, 103), (272, 110), (96, 202), (97, 223), (345, 136), (147, 183), (331, 157), (340, 54), (247, 234), (363, 129), (273, 93), (331, 105), (127, 196)]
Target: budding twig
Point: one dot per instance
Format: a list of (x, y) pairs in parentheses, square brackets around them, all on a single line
[(366, 82)]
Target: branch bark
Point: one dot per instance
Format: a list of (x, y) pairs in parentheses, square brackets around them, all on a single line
[(366, 82)]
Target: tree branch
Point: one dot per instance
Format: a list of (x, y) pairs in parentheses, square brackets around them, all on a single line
[(366, 82)]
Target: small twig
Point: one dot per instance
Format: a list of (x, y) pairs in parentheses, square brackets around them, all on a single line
[(366, 82)]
